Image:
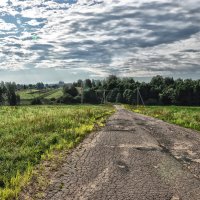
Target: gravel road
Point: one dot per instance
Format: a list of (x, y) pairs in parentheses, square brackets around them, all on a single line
[(134, 157)]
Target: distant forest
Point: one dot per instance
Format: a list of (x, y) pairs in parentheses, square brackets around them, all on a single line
[(159, 91)]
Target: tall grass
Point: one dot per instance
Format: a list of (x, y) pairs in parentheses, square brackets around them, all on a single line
[(27, 133), (188, 117)]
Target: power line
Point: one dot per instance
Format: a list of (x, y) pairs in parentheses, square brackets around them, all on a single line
[(139, 96)]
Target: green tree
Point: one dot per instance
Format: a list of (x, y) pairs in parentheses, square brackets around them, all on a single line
[(70, 89), (88, 84), (119, 98), (93, 83), (67, 98), (40, 86), (168, 81), (167, 97), (36, 101), (157, 82), (98, 84), (79, 83), (77, 99), (90, 96), (144, 89), (111, 97), (111, 82), (128, 96), (2, 93), (184, 92), (13, 99), (197, 92)]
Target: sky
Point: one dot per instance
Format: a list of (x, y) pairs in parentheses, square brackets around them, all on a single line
[(53, 40)]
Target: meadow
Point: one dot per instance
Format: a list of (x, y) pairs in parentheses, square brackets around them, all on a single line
[(29, 133), (188, 117), (30, 94)]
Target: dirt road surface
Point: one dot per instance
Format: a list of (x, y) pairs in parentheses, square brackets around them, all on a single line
[(134, 157)]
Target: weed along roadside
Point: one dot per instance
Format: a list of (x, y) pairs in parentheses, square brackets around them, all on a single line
[(34, 133)]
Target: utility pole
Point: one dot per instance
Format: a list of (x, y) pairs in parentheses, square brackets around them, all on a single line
[(104, 96), (141, 97), (137, 97)]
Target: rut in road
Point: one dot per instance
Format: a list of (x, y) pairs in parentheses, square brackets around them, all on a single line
[(132, 157)]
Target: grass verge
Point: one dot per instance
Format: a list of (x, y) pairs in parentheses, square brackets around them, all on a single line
[(30, 134), (188, 117)]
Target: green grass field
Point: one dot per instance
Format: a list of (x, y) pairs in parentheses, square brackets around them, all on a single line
[(29, 133), (45, 93), (56, 94), (188, 117), (30, 94)]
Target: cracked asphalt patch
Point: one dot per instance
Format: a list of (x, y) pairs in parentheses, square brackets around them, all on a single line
[(134, 157)]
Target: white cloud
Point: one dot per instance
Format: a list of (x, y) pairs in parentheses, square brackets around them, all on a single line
[(6, 26), (131, 37)]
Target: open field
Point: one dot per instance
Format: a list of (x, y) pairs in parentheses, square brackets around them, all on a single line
[(56, 94), (188, 117), (45, 93), (28, 94), (28, 133)]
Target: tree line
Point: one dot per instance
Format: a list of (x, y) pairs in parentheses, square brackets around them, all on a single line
[(8, 94), (159, 91)]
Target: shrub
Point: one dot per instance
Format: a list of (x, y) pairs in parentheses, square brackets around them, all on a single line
[(36, 101)]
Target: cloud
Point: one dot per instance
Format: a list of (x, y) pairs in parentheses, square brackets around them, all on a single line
[(128, 38)]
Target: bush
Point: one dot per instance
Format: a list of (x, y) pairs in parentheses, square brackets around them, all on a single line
[(70, 90), (66, 98), (36, 101), (151, 101), (77, 99), (90, 96), (53, 99)]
